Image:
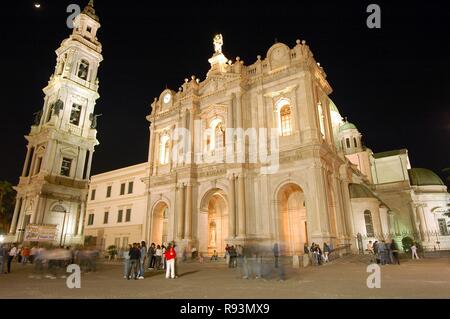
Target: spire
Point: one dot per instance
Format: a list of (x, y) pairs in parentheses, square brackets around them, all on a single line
[(90, 11)]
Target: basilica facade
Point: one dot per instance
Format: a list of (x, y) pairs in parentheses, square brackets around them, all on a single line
[(260, 153)]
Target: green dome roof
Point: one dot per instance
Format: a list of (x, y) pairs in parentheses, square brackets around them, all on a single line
[(333, 107), (347, 126), (424, 177)]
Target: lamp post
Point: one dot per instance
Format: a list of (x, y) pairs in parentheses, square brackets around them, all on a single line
[(64, 211)]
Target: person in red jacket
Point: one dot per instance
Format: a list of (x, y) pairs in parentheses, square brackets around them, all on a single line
[(170, 255)]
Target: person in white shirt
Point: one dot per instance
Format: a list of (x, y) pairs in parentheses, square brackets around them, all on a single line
[(11, 255), (414, 251)]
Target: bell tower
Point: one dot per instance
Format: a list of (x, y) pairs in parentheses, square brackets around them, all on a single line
[(54, 183)]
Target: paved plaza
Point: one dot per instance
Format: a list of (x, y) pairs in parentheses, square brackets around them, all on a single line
[(345, 278)]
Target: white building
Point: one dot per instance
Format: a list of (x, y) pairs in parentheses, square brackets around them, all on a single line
[(117, 206)]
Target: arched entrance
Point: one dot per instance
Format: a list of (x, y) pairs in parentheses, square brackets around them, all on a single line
[(160, 225), (292, 225), (213, 223)]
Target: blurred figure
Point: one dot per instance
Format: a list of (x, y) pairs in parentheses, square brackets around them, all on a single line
[(151, 256), (11, 255), (395, 255), (143, 260), (25, 255), (170, 262), (326, 252), (214, 256), (382, 251), (200, 258), (276, 253), (3, 258), (233, 255), (194, 253), (158, 257), (33, 253), (414, 251), (126, 261), (135, 256), (227, 254)]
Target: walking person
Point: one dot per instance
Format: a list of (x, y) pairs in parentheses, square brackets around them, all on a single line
[(126, 261), (143, 259), (276, 254), (158, 257), (326, 252), (3, 258), (395, 255), (170, 262), (25, 255), (135, 256), (414, 252), (11, 255), (151, 256)]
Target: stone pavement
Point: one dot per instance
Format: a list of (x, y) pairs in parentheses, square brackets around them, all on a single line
[(345, 278)]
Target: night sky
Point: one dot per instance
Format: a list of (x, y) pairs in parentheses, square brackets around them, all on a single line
[(393, 83)]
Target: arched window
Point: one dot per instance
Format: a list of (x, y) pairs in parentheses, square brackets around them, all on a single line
[(355, 142), (369, 223), (286, 120), (347, 141), (83, 70), (219, 137), (164, 151)]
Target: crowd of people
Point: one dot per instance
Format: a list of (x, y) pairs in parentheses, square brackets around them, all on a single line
[(48, 262), (385, 253), (137, 258)]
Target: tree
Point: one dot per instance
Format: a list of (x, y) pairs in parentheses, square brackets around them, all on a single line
[(7, 203)]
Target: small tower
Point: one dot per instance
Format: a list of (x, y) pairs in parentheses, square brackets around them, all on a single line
[(350, 138), (54, 183), (218, 61)]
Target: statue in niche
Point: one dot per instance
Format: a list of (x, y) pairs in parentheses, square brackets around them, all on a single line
[(58, 106), (37, 118), (218, 43), (212, 242), (93, 117)]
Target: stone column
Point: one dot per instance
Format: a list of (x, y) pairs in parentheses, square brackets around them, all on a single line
[(241, 206), (88, 172), (27, 159), (422, 226), (239, 121), (180, 213), (17, 209), (188, 221), (81, 221), (35, 211), (347, 209), (231, 207)]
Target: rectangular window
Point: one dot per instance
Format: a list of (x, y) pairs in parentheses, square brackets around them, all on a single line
[(93, 194), (443, 227), (120, 216), (125, 243), (128, 217), (122, 189), (117, 242), (105, 218), (89, 29), (108, 192), (91, 220), (75, 115), (130, 187), (65, 167)]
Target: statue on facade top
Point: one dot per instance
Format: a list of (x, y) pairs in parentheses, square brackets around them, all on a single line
[(93, 117), (218, 43)]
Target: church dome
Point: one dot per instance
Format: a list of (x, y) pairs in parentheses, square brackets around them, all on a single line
[(424, 177), (347, 126)]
